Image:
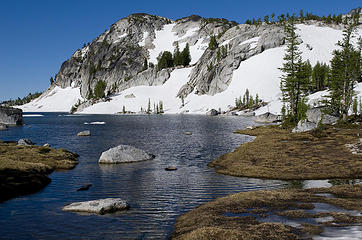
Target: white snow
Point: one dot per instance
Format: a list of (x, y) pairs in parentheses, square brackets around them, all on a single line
[(95, 123), (163, 42), (253, 42), (33, 115), (57, 100), (165, 93), (259, 74), (143, 42)]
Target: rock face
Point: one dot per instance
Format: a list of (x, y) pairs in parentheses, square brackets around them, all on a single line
[(101, 206), (11, 116), (124, 154), (3, 127), (84, 133), (267, 118)]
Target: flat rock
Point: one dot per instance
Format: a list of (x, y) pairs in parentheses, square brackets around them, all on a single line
[(84, 133), (124, 154), (3, 127), (100, 206), (171, 168), (188, 133), (25, 142)]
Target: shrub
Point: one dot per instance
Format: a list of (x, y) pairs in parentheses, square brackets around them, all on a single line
[(99, 89)]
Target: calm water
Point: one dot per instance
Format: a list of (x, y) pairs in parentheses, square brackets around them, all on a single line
[(156, 197)]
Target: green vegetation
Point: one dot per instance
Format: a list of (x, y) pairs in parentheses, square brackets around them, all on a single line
[(24, 169), (21, 101), (295, 79), (99, 89), (335, 19), (213, 45), (345, 72), (238, 216), (178, 58), (75, 106), (305, 155), (248, 101)]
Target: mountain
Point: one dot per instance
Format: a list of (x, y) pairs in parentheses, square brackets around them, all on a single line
[(125, 58)]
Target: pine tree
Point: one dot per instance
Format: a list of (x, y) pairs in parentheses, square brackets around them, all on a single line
[(186, 57), (149, 107), (177, 58), (345, 72), (51, 80), (124, 109), (161, 107), (293, 80), (145, 65), (213, 43), (355, 106)]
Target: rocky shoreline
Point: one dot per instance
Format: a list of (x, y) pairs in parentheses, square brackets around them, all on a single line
[(24, 168)]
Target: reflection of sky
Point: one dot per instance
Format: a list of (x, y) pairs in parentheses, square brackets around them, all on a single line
[(156, 197)]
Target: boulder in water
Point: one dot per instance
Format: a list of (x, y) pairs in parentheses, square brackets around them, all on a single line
[(101, 206), (84, 133), (124, 154)]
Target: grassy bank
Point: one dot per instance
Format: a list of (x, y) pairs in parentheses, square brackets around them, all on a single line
[(277, 153), (24, 169), (243, 215)]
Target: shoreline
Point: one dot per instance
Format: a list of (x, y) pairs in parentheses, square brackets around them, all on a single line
[(25, 169)]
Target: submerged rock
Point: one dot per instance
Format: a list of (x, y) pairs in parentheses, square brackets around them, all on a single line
[(25, 142), (11, 116), (124, 154), (171, 168), (85, 187), (267, 118), (84, 133), (101, 206)]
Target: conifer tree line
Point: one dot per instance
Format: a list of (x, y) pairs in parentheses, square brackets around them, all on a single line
[(272, 19), (167, 59), (300, 79), (248, 101), (157, 108)]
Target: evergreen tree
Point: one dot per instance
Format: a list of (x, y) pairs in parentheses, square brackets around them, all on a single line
[(165, 60), (145, 65), (272, 16), (177, 58), (99, 89), (161, 107), (345, 72), (266, 19), (124, 109), (213, 43), (319, 77), (51, 80), (293, 80), (149, 107), (186, 57), (355, 106)]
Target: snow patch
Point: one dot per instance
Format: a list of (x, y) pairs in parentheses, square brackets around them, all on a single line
[(33, 115), (143, 42), (95, 123), (57, 100)]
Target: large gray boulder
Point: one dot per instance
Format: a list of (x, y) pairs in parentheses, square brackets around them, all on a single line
[(267, 118), (101, 206), (11, 116), (304, 126), (124, 154), (314, 116), (3, 127)]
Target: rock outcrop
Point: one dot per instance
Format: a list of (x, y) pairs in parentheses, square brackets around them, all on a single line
[(314, 117), (11, 116), (101, 206), (124, 154), (25, 142), (267, 118)]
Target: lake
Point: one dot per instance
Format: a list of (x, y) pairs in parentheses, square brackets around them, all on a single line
[(156, 197)]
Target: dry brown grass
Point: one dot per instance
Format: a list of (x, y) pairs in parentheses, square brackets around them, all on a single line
[(279, 154), (24, 169), (209, 221)]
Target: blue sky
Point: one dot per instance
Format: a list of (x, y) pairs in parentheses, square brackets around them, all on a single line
[(38, 36)]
